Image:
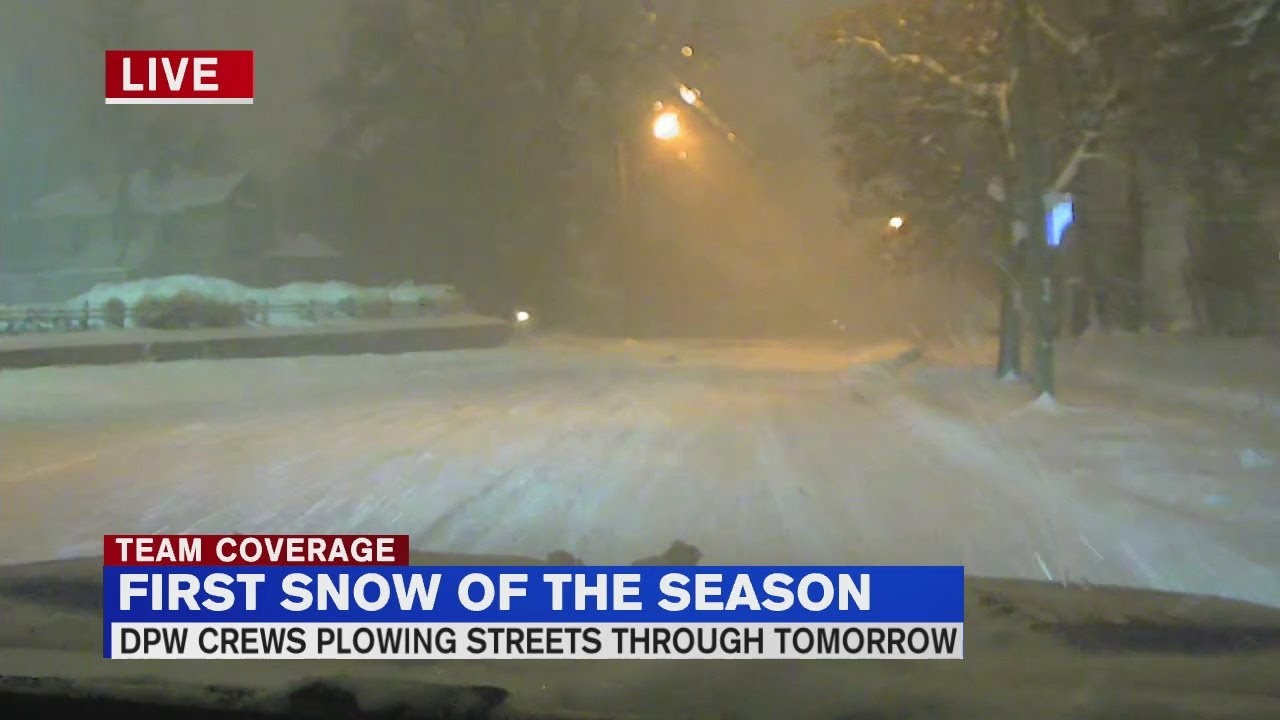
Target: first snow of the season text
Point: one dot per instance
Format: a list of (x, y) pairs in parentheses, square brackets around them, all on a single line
[(573, 594)]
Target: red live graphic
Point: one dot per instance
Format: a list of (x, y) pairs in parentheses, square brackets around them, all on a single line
[(179, 77)]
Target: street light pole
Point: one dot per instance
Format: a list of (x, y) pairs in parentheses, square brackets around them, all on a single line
[(622, 166), (665, 128)]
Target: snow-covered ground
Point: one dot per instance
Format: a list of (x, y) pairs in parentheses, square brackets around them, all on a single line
[(1141, 474)]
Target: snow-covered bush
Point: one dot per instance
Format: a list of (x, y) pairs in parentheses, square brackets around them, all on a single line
[(448, 301), (440, 299), (367, 304), (187, 310), (115, 313)]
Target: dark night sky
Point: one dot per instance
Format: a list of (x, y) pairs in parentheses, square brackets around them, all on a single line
[(297, 43), (757, 89)]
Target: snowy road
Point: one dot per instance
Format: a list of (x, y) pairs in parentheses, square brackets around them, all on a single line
[(763, 453)]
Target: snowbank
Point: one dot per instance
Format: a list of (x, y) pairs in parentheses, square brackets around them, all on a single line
[(291, 305), (1237, 376), (218, 289), (295, 304)]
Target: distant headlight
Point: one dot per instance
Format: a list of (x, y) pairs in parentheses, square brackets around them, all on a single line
[(522, 316)]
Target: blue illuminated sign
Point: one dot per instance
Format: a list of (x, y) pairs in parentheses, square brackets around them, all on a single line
[(1061, 214)]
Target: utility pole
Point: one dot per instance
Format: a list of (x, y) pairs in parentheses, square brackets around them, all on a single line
[(1030, 195), (622, 165)]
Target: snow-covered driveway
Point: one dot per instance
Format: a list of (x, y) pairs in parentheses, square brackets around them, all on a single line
[(765, 453)]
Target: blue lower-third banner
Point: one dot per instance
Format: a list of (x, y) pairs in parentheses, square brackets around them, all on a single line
[(503, 612)]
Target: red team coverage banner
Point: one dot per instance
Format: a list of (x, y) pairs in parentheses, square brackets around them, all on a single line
[(214, 550), (179, 77)]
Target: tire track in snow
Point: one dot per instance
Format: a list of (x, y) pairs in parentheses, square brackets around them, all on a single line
[(648, 492), (536, 442), (783, 480), (1009, 487), (582, 495), (870, 489), (298, 468)]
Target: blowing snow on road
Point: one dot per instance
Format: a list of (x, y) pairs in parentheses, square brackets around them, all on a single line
[(761, 453)]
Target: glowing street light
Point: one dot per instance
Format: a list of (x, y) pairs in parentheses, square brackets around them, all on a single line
[(667, 126), (895, 222)]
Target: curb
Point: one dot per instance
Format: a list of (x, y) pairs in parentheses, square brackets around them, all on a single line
[(371, 338)]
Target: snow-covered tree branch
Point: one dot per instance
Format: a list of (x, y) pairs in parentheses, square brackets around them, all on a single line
[(930, 65), (941, 76)]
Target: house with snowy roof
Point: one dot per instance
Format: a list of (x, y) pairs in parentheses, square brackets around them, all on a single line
[(151, 225), (300, 257)]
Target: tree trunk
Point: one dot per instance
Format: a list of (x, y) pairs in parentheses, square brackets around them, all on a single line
[(1029, 198), (1009, 358), (1168, 214)]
